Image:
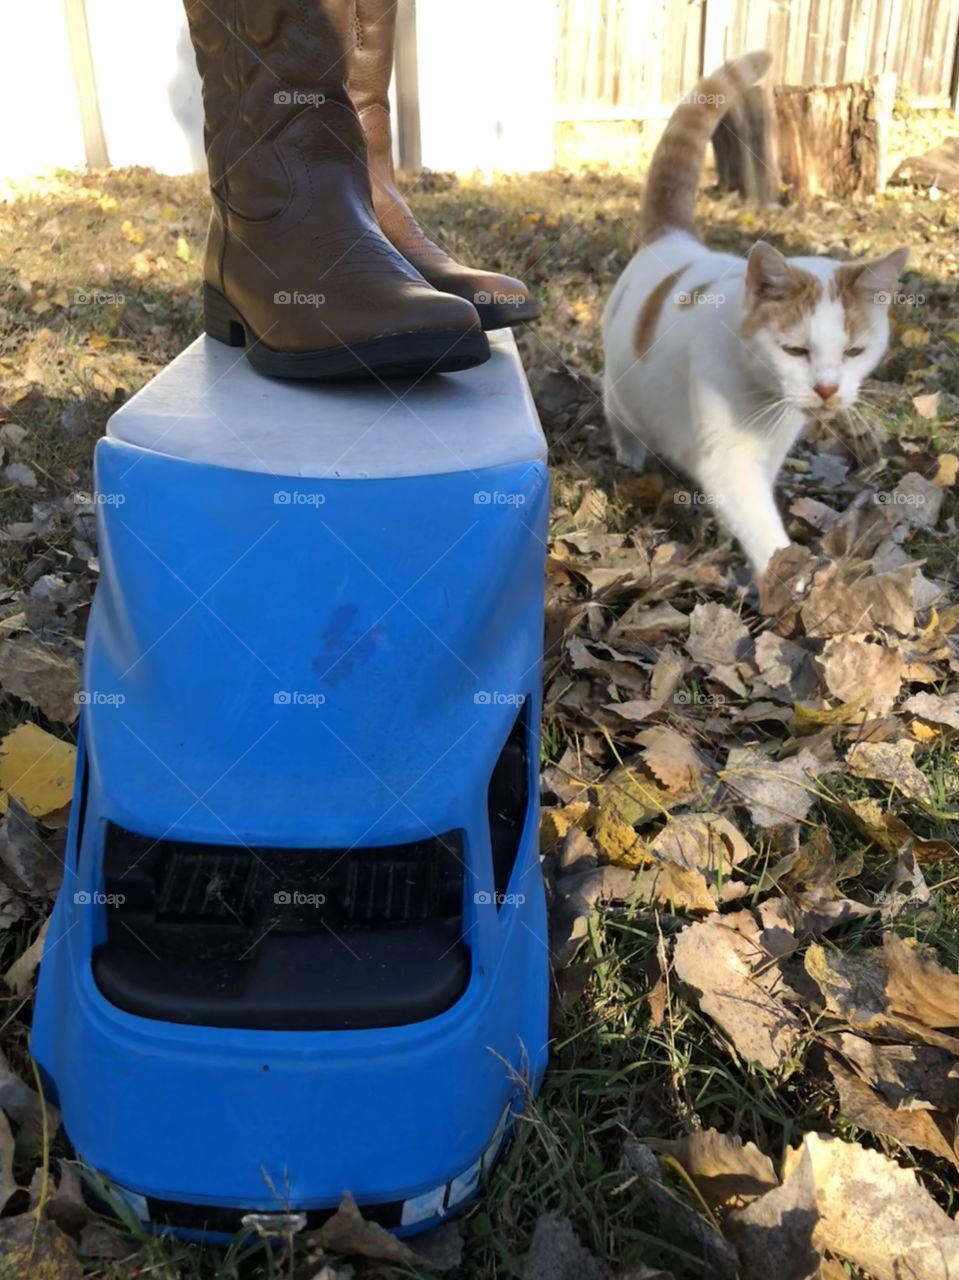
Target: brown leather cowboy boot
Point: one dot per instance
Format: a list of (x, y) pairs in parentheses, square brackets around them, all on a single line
[(297, 269), (500, 300)]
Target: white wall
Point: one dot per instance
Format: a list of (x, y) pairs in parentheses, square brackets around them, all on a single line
[(147, 83), (486, 74), (486, 83), (38, 101)]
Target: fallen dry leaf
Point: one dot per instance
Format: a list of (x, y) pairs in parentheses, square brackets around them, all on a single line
[(672, 758), (868, 675), (774, 791), (834, 607), (42, 676), (732, 979), (891, 762), (728, 1173), (717, 637), (37, 769)]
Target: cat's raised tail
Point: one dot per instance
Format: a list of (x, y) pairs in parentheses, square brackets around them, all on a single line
[(669, 196)]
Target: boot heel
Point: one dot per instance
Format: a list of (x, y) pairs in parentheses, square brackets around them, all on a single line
[(220, 320)]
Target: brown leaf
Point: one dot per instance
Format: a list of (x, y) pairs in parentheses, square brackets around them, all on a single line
[(869, 675), (918, 987), (875, 1214), (679, 888), (732, 977), (672, 758), (891, 762), (773, 791), (728, 1173), (717, 636), (938, 709), (36, 1250), (907, 1076), (867, 1110), (706, 841), (834, 607), (42, 676), (349, 1232)]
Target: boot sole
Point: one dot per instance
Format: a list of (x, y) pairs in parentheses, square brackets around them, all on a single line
[(396, 355), (502, 315)]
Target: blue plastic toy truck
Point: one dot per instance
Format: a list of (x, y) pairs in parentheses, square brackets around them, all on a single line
[(300, 947)]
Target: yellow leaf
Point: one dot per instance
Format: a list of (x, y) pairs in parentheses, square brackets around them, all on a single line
[(106, 203), (183, 249), (36, 769), (130, 232), (808, 719), (913, 336)]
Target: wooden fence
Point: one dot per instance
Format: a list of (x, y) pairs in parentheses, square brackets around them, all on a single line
[(626, 59)]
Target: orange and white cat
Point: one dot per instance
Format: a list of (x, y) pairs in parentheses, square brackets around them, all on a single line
[(716, 363)]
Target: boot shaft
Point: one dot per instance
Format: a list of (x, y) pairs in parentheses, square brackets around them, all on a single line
[(371, 54), (265, 67)]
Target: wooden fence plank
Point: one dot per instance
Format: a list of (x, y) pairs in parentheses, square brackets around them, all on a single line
[(629, 59)]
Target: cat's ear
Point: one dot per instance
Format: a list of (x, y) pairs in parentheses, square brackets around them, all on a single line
[(769, 277), (874, 281)]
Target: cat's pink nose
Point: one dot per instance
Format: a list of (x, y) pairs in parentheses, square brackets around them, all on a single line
[(826, 390)]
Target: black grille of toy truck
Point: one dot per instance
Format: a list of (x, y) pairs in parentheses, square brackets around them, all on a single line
[(282, 938)]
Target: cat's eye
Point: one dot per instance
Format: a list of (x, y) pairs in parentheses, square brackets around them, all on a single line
[(852, 352), (796, 351)]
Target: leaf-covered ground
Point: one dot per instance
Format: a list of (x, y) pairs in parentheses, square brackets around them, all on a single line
[(752, 797)]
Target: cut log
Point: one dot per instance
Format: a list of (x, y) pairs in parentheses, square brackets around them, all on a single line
[(745, 147), (821, 141), (831, 139), (936, 168)]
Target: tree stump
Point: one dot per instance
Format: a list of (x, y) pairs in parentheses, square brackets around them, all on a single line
[(821, 141), (832, 138)]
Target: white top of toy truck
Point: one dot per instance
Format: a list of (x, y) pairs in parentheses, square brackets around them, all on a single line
[(209, 406)]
